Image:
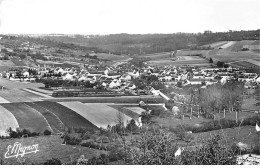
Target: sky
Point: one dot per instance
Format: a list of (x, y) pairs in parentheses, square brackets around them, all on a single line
[(127, 16)]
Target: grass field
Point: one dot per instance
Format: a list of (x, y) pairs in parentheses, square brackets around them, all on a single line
[(53, 120), (17, 62), (231, 51), (27, 117), (238, 46), (8, 63), (244, 64), (7, 120), (99, 114), (198, 62), (192, 52), (156, 56), (49, 147), (111, 57), (171, 121), (69, 117), (246, 134)]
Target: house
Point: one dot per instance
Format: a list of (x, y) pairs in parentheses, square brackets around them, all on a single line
[(125, 77), (114, 83), (134, 74)]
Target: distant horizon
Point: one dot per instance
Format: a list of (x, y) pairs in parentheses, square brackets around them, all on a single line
[(125, 33)]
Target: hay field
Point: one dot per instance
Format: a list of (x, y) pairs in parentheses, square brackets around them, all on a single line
[(99, 114), (7, 120)]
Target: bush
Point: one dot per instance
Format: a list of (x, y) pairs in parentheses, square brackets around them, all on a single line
[(156, 112), (19, 133), (47, 132), (99, 160), (53, 161), (116, 154), (132, 127), (72, 139)]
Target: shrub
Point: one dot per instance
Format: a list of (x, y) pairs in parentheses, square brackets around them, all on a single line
[(19, 133), (72, 139), (53, 161), (47, 132), (99, 160), (132, 127), (156, 112), (116, 153)]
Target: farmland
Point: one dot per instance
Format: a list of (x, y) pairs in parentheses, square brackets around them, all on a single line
[(54, 122), (156, 56), (230, 51), (27, 117), (7, 120), (111, 57), (100, 115), (69, 117), (195, 62)]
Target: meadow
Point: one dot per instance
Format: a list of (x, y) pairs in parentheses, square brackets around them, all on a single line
[(98, 114), (49, 147)]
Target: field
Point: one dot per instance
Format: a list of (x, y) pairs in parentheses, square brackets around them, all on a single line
[(156, 56), (217, 44), (111, 57), (18, 62), (192, 52), (228, 44), (197, 62), (55, 123), (100, 115), (8, 63), (49, 147), (238, 46), (231, 51), (7, 120), (173, 122), (27, 117), (123, 109), (246, 134), (119, 99), (137, 110), (68, 117)]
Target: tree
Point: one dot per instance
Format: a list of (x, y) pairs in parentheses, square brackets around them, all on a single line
[(210, 60)]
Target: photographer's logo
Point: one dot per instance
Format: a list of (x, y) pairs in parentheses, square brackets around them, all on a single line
[(19, 150)]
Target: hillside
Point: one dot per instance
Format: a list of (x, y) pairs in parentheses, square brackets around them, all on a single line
[(136, 44)]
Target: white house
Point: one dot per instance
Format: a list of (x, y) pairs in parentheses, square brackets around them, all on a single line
[(114, 83)]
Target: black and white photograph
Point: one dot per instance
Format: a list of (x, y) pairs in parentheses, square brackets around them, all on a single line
[(129, 82)]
